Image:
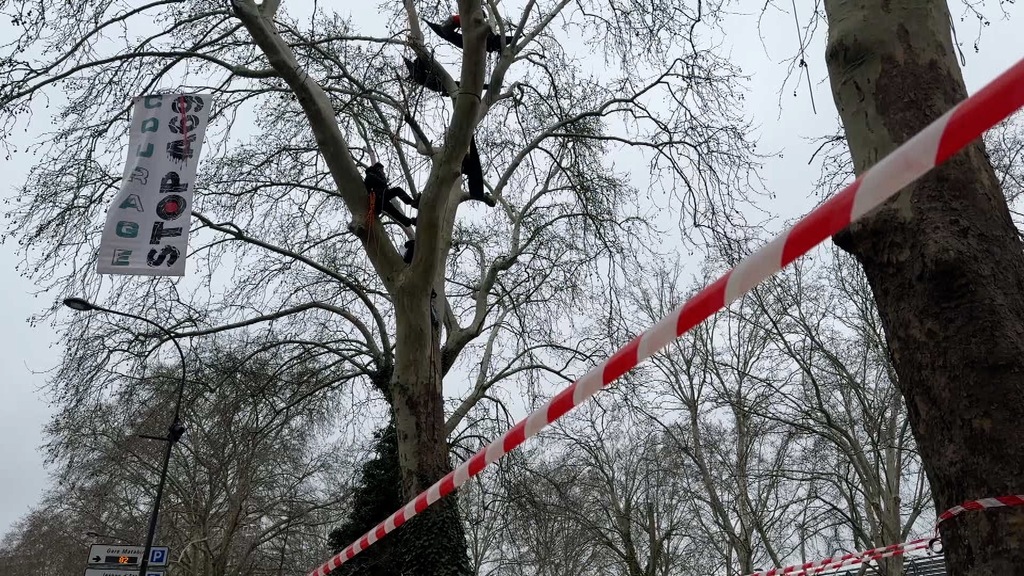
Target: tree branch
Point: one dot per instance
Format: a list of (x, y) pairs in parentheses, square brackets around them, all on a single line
[(330, 141)]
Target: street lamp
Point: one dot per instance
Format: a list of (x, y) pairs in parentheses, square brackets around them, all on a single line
[(174, 432), (107, 536)]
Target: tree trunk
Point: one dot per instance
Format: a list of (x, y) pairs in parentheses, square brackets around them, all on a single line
[(945, 264), (747, 528), (435, 540), (890, 516)]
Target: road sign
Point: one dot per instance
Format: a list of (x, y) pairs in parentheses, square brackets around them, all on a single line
[(119, 572), (108, 555)]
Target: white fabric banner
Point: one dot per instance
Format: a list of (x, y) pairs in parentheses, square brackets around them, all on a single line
[(148, 223)]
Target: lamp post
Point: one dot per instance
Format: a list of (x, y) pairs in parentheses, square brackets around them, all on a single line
[(174, 432)]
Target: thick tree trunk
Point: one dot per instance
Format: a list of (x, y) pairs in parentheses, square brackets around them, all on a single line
[(946, 268), (435, 540)]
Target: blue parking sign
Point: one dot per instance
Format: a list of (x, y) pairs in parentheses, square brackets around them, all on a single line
[(158, 556)]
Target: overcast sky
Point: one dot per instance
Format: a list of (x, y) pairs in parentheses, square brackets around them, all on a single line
[(26, 352)]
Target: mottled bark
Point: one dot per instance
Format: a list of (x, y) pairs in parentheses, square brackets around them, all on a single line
[(946, 268), (435, 539)]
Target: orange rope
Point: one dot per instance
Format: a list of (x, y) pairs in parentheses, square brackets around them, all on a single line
[(369, 217)]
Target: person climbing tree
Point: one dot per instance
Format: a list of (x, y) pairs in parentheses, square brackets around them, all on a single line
[(381, 195), (449, 31), (410, 248), (421, 72), (474, 173)]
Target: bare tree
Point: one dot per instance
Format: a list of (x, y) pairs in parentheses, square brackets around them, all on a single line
[(1005, 147), (47, 540), (706, 393), (839, 390), (252, 486), (543, 540), (605, 496), (787, 407), (946, 267), (283, 233)]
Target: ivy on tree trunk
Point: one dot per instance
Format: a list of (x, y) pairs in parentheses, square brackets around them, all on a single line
[(377, 494)]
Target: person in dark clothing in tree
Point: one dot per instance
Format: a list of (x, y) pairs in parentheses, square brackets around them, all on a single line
[(410, 248), (449, 31), (381, 195), (420, 72), (474, 174)]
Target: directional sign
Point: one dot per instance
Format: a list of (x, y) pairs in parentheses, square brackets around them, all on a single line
[(108, 555), (118, 572)]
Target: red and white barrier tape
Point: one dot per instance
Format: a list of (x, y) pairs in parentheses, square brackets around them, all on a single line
[(929, 148), (894, 549), (846, 560), (982, 504)]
